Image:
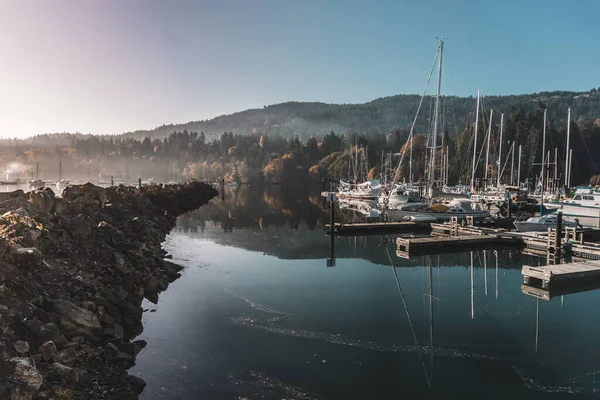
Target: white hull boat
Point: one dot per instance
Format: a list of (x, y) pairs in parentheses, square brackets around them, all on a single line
[(541, 224)]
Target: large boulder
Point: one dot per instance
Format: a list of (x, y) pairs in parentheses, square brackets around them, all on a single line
[(43, 199), (77, 321), (87, 193)]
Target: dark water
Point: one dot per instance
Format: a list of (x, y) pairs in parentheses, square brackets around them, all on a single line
[(259, 315)]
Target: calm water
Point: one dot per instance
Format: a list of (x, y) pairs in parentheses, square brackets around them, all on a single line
[(258, 314)]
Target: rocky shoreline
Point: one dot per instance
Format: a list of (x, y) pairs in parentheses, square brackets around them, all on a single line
[(73, 273)]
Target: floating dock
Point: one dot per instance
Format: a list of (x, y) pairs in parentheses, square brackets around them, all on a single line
[(561, 274), (376, 228), (439, 244)]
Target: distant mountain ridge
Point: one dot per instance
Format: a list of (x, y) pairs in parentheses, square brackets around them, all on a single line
[(382, 115)]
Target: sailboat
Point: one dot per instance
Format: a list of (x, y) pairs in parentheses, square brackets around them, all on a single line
[(37, 182), (358, 186), (60, 183), (460, 208), (431, 183)]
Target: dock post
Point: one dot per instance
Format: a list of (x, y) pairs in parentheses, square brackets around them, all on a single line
[(508, 213), (558, 237), (140, 183), (112, 181)]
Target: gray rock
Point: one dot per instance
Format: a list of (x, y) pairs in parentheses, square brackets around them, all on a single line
[(151, 286), (114, 331), (26, 256), (61, 371), (89, 305), (42, 199), (48, 351), (45, 332), (21, 347), (77, 321), (67, 356), (3, 352), (163, 283), (27, 378)]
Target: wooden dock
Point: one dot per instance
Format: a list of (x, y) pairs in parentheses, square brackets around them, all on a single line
[(449, 244), (561, 274), (457, 229), (377, 228)]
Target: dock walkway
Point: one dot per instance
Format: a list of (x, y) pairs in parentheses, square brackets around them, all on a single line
[(441, 244)]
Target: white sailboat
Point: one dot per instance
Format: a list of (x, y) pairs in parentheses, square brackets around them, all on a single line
[(358, 186), (431, 184)]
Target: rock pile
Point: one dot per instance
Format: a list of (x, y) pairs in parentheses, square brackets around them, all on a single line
[(73, 273)]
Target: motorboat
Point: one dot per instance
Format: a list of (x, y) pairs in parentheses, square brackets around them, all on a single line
[(541, 224)]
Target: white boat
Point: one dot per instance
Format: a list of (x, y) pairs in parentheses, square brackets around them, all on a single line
[(460, 208), (458, 190), (368, 190), (585, 203), (541, 224)]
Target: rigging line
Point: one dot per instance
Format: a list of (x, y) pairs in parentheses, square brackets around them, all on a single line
[(482, 147), (407, 314), (512, 149), (414, 122)]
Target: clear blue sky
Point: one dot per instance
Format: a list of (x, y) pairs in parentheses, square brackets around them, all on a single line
[(110, 66)]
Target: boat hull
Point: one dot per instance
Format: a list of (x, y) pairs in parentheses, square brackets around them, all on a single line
[(399, 215)]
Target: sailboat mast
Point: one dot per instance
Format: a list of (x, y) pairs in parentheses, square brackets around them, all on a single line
[(519, 167), (567, 158), (570, 159), (543, 162), (475, 144), (445, 182), (548, 171), (500, 149), (555, 166), (436, 117), (487, 151), (512, 164), (59, 171), (356, 164), (410, 176)]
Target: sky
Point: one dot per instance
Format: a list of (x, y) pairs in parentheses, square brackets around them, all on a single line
[(111, 66)]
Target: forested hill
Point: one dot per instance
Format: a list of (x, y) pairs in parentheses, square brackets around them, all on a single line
[(304, 119)]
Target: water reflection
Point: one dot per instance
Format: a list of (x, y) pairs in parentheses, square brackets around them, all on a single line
[(258, 314)]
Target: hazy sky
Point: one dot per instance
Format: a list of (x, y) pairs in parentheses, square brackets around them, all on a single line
[(108, 66)]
